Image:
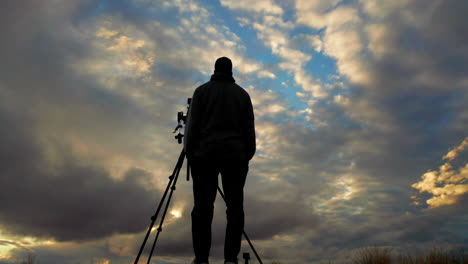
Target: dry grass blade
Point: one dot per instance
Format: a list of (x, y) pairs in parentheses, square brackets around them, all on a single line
[(372, 255), (31, 259)]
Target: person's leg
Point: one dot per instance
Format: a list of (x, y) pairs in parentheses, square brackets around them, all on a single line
[(234, 174), (205, 182)]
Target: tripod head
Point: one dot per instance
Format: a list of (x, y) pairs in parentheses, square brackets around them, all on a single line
[(181, 121)]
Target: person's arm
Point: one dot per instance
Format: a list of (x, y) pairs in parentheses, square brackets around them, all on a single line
[(187, 130), (191, 125), (251, 144)]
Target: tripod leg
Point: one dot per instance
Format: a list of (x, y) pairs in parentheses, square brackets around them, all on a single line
[(165, 210), (251, 246), (153, 218), (188, 169), (243, 232)]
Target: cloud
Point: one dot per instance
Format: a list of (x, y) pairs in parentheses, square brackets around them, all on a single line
[(382, 9), (342, 39), (71, 155), (453, 154), (105, 33), (266, 74), (91, 204), (447, 185), (273, 31), (315, 42), (311, 12), (262, 6), (346, 47), (132, 56), (268, 103), (195, 35), (325, 14)]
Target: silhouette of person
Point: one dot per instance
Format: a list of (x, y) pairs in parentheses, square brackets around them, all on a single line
[(219, 138)]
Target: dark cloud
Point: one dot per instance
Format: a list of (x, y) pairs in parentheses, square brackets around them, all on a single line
[(417, 93), (68, 200), (395, 230), (51, 191), (268, 218)]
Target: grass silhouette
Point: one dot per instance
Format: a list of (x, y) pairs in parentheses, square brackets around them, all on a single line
[(372, 255), (435, 256), (30, 259), (376, 255)]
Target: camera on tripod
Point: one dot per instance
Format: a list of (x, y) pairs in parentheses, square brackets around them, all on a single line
[(181, 121)]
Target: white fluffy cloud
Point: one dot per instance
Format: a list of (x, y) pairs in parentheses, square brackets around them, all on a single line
[(342, 38), (312, 12), (315, 42), (273, 30), (260, 6)]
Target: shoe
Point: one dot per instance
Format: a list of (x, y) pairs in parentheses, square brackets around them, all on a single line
[(194, 261)]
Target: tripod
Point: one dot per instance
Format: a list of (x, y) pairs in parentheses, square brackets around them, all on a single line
[(172, 186)]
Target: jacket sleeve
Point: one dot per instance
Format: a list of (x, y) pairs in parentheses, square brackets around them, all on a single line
[(250, 131), (191, 125)]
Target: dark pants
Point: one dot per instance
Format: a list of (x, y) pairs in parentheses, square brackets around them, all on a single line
[(205, 182)]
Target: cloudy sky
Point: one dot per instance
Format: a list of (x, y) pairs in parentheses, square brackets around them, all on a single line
[(361, 121)]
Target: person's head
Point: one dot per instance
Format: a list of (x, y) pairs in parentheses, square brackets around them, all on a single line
[(223, 65)]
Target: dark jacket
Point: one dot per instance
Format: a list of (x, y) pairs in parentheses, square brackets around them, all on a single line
[(220, 121)]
